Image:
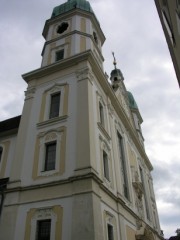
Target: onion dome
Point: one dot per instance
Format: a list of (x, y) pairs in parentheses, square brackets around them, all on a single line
[(116, 75), (132, 103), (71, 4)]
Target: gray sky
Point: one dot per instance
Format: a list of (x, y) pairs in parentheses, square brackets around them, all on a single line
[(133, 32)]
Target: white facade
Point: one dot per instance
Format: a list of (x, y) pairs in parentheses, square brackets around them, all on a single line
[(100, 185)]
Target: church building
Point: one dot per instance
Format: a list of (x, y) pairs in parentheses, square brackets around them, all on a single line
[(73, 166)]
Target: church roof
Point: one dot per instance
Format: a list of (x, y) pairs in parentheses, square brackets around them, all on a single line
[(71, 4), (132, 102), (10, 124)]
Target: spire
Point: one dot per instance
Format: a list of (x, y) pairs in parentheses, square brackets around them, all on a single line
[(114, 60)]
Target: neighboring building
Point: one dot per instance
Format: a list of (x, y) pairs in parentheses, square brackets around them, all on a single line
[(73, 166), (176, 237), (169, 14)]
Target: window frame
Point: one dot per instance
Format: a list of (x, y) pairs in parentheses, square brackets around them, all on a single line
[(106, 170), (45, 139), (147, 209), (59, 55), (52, 103), (101, 114), (48, 161), (3, 186), (112, 228), (38, 232), (54, 213), (108, 179), (46, 101), (168, 27), (1, 154), (110, 218), (123, 165)]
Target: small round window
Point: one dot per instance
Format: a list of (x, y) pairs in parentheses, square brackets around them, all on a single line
[(62, 28)]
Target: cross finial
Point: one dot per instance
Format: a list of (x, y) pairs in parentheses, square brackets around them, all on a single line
[(114, 60)]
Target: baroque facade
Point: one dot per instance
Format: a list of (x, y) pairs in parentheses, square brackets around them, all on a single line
[(73, 165)]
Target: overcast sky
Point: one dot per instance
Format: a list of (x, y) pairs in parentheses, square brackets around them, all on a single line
[(133, 31)]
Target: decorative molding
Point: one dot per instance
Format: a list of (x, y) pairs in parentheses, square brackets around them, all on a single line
[(52, 121), (43, 134), (104, 144), (110, 110), (103, 131), (84, 74), (44, 213), (29, 93)]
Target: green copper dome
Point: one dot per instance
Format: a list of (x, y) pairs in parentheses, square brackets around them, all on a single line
[(116, 73), (132, 102), (71, 4)]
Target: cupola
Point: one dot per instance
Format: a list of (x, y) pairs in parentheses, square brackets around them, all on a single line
[(71, 4), (136, 116), (116, 75)]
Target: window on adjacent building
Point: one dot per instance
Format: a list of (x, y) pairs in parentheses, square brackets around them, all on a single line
[(59, 55), (123, 166), (168, 27), (164, 2), (101, 113), (50, 157), (55, 105), (1, 151), (110, 232), (106, 165), (43, 229)]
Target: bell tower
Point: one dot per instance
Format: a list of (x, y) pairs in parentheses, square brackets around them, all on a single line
[(72, 29)]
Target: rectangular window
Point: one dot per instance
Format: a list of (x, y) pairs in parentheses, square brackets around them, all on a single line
[(101, 114), (55, 105), (1, 202), (106, 165), (145, 194), (168, 27), (1, 151), (178, 19), (123, 166), (110, 232), (59, 55), (43, 229), (50, 158), (3, 186)]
